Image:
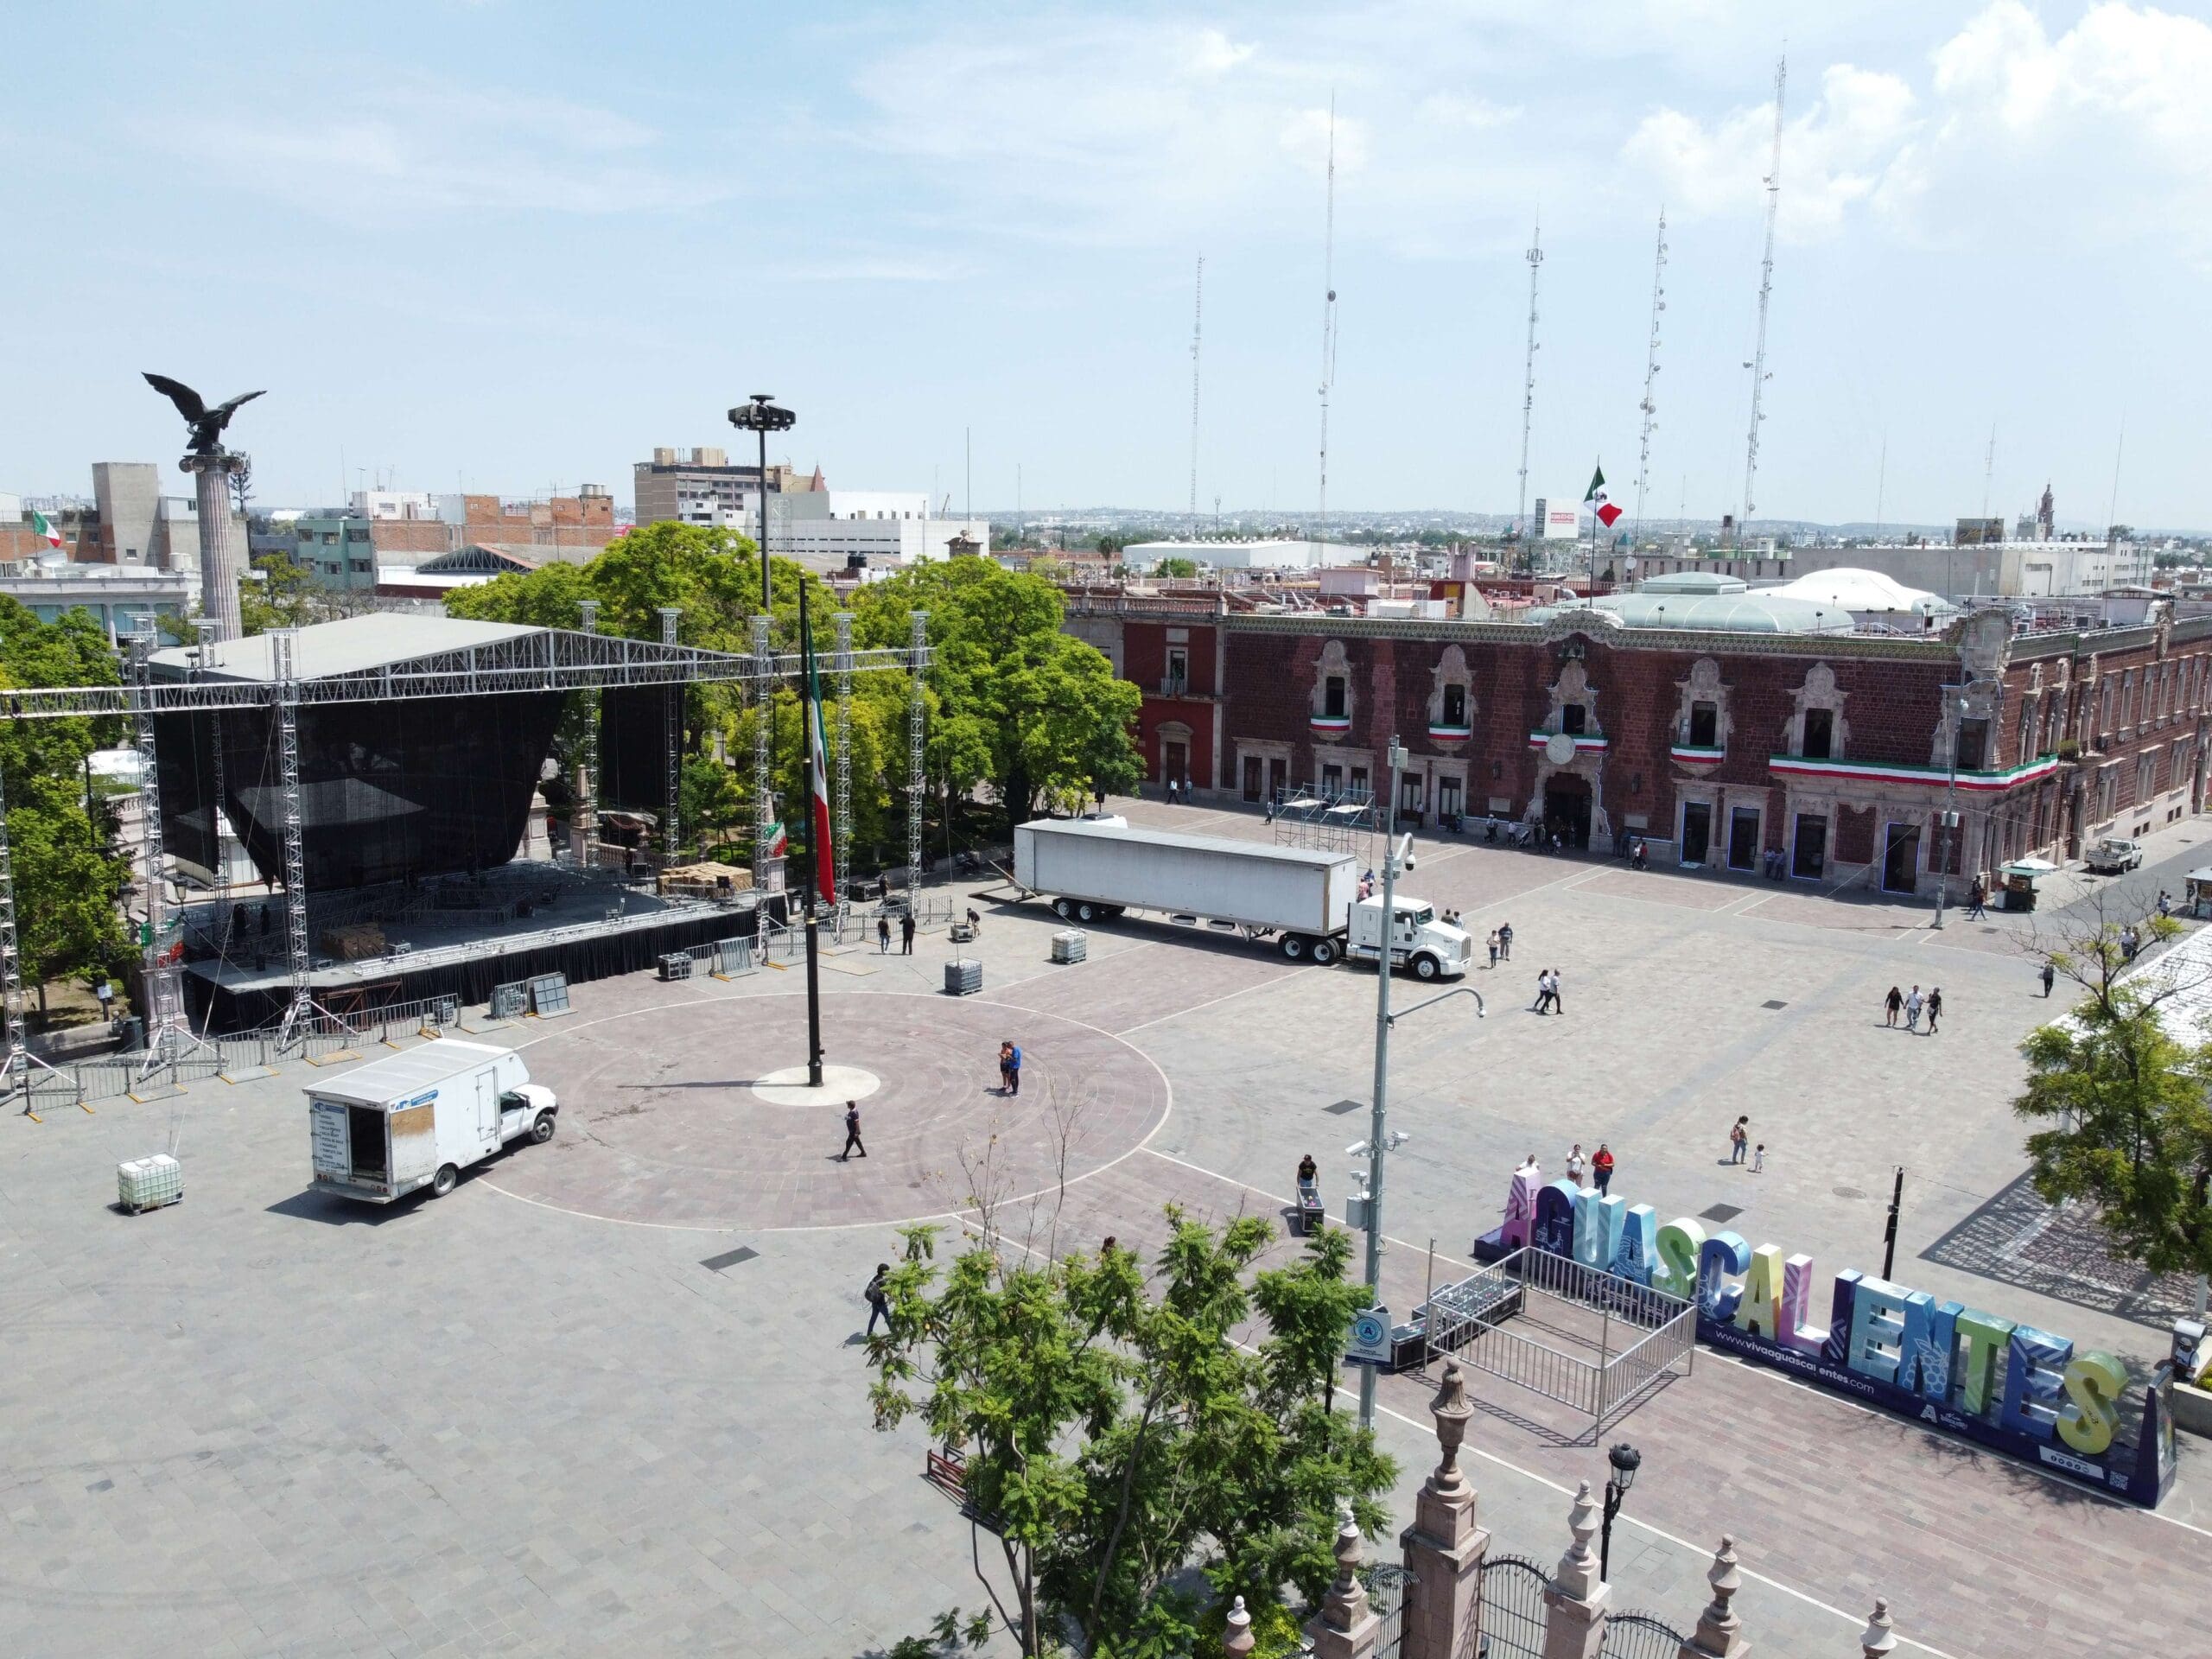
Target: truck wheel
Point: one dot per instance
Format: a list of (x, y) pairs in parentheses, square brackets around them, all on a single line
[(1294, 946), (444, 1181), (1085, 912), (542, 1130), (1062, 909), (1425, 966), (1324, 952)]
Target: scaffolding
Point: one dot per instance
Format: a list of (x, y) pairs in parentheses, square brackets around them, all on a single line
[(584, 833), (763, 715), (1328, 821), (219, 872), (16, 1071), (841, 835), (673, 736), (918, 648)]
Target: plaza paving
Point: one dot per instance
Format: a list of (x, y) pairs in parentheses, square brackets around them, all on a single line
[(533, 1418)]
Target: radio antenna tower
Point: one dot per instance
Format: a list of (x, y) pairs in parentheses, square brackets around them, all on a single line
[(1649, 406), (1988, 468), (1757, 365), (1535, 258), (1328, 314), (1198, 314)]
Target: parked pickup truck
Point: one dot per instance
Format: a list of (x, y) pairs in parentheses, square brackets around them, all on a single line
[(2114, 856)]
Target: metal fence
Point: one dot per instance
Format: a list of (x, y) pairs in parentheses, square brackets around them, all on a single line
[(1486, 1322), (1389, 1592), (1511, 1617), (1641, 1636)]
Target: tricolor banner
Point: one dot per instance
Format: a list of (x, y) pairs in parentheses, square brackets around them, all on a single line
[(1598, 502), (44, 526)]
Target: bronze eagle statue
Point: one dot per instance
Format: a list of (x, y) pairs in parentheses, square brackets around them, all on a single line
[(206, 423)]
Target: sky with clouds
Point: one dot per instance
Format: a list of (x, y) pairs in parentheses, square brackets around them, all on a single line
[(513, 245)]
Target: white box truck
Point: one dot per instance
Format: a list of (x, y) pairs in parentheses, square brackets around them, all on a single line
[(417, 1119), (1306, 901)]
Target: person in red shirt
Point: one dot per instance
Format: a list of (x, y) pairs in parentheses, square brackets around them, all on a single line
[(1601, 1167)]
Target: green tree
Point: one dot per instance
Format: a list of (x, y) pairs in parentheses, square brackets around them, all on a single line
[(67, 879), (1118, 1435), (1019, 705), (1177, 566), (283, 598), (2131, 1131)]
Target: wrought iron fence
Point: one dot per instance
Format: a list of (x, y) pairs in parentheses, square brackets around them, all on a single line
[(1389, 1592), (1641, 1636), (1511, 1596)]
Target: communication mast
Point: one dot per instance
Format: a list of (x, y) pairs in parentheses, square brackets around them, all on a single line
[(1198, 316), (1757, 365), (1328, 315), (1649, 406), (1535, 258)]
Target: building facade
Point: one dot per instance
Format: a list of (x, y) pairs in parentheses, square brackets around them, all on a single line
[(1832, 753), (699, 486)]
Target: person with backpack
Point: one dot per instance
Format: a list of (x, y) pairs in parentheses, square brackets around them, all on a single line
[(879, 1305)]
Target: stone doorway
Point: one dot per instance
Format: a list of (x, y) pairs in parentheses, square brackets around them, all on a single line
[(1567, 811)]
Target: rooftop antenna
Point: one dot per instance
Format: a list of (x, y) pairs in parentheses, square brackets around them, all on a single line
[(1757, 365), (1198, 316), (2111, 511), (1988, 468), (1651, 373), (1328, 315), (1535, 256), (1881, 484)]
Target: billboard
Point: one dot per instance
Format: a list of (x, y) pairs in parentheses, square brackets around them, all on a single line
[(1555, 521)]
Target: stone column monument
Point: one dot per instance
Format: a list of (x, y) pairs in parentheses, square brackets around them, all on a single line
[(221, 559), (1444, 1546)]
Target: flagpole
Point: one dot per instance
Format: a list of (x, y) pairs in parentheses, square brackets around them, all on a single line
[(813, 849)]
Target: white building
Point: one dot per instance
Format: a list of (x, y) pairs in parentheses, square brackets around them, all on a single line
[(398, 504), (828, 529), (2036, 569)]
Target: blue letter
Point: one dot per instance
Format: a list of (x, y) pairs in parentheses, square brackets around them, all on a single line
[(2035, 1373), (1723, 1254)]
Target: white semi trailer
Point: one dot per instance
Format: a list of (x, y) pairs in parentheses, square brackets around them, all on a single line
[(1307, 902)]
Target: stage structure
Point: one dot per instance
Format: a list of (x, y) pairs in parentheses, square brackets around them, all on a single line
[(840, 799), (318, 807)]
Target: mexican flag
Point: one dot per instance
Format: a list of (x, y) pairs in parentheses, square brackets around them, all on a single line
[(778, 842), (1598, 502), (825, 864), (44, 526)]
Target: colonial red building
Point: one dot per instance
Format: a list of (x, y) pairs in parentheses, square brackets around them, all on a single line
[(1833, 751)]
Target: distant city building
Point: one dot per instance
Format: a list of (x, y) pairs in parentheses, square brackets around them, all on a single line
[(836, 529), (1554, 520), (1978, 532), (126, 494), (1282, 554), (699, 486), (335, 549), (122, 599)]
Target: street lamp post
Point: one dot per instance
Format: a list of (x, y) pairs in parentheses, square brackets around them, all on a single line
[(1626, 1460), (1377, 1142), (762, 416)]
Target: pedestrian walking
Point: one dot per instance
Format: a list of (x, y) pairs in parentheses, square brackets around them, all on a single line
[(1758, 1159), (1892, 1005), (1558, 1007), (2050, 978), (1934, 1007), (883, 936), (1914, 1003), (1740, 1140), (1601, 1167), (105, 992), (906, 934), (1543, 1003), (1974, 896), (1505, 941), (852, 1132), (2165, 905), (1575, 1164), (1492, 943), (879, 1305)]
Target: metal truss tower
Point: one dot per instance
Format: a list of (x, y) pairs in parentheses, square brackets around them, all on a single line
[(15, 1073), (1757, 365), (1650, 405), (1535, 258), (673, 733), (917, 777), (211, 634), (1328, 315), (586, 831), (285, 646), (763, 715), (841, 799)]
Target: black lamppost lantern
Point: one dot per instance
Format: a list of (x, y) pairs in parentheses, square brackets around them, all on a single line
[(763, 415), (1626, 1460)]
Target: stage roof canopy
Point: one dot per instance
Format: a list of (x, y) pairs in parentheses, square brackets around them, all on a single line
[(354, 645)]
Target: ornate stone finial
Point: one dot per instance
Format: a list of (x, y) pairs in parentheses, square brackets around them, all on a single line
[(1452, 1411), (1717, 1625), (1578, 1569), (1346, 1603), (1239, 1640), (1878, 1640)]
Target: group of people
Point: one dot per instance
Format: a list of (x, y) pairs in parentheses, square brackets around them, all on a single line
[(1547, 1000), (1595, 1170), (1740, 1144), (1501, 944), (1911, 1004), (905, 935), (1010, 1068)]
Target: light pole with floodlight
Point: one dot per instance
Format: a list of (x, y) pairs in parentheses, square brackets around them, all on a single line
[(763, 415)]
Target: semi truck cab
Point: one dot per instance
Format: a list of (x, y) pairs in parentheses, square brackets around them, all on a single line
[(1432, 949)]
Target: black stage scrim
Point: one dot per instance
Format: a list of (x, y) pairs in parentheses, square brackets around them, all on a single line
[(633, 748)]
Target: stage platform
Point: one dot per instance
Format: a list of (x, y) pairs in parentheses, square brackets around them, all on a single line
[(457, 936)]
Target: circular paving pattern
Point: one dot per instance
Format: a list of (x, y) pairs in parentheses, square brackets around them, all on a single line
[(840, 1084), (661, 1122)]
